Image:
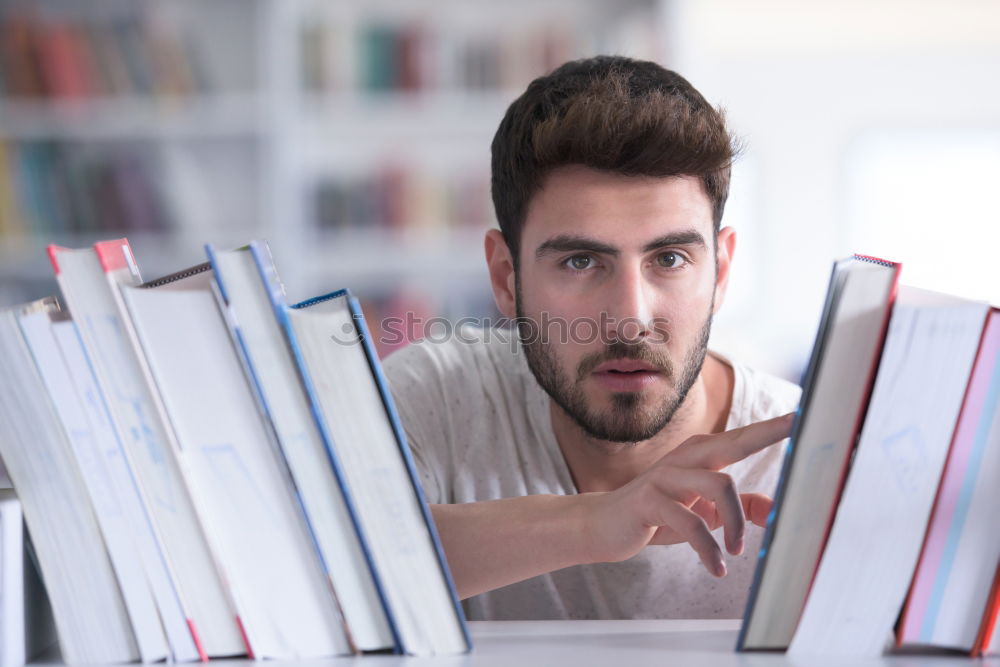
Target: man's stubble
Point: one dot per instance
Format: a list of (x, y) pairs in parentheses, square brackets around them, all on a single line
[(627, 421)]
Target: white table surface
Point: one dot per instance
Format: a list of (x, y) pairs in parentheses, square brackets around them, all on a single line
[(619, 644)]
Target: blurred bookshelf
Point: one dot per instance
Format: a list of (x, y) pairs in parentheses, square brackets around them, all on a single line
[(354, 137)]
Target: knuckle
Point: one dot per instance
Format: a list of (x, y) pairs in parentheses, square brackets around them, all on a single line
[(694, 526), (725, 483)]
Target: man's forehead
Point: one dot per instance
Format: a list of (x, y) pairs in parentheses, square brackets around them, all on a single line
[(614, 207)]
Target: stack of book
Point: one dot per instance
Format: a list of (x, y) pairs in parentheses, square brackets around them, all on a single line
[(57, 187), (882, 533), (398, 196), (53, 57), (419, 56), (208, 471)]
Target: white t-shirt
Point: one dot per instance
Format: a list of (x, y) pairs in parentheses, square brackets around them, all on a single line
[(480, 429)]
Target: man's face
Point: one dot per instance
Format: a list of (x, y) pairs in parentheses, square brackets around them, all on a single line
[(619, 277)]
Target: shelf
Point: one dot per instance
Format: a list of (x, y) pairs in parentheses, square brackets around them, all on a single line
[(245, 159), (435, 114), (360, 257), (122, 118), (379, 257), (158, 253)]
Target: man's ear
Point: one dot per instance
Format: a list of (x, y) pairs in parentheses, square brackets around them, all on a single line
[(725, 245), (501, 265)]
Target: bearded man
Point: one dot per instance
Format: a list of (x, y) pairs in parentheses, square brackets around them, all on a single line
[(579, 469)]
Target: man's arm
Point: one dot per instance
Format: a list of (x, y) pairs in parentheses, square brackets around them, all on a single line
[(682, 498)]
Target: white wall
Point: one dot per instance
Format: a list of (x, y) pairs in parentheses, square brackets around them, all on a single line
[(833, 99)]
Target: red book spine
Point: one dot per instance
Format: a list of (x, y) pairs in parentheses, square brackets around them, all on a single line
[(246, 640), (61, 62), (197, 641), (985, 635)]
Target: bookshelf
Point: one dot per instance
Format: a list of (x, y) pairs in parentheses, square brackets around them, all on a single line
[(353, 136), (646, 642)]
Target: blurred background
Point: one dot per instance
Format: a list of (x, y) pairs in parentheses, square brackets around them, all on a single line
[(354, 137)]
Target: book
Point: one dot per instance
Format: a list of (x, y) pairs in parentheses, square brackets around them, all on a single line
[(89, 279), (68, 58), (12, 628), (836, 388), (90, 615), (329, 510), (338, 363), (287, 608), (880, 523), (84, 450), (118, 481), (988, 640), (949, 592)]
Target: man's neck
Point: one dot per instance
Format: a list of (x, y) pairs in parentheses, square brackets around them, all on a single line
[(600, 465)]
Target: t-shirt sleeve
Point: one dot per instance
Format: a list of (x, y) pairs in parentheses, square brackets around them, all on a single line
[(416, 382), (763, 396)]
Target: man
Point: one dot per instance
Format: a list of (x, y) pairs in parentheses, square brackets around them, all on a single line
[(566, 473)]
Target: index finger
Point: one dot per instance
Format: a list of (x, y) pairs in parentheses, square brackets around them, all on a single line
[(719, 450)]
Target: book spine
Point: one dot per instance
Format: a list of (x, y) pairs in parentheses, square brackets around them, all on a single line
[(240, 345), (404, 450), (276, 292), (990, 619)]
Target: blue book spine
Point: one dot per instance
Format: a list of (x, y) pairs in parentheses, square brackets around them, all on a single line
[(269, 275), (244, 354), (786, 465)]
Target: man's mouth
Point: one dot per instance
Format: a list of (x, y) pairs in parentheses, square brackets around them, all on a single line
[(626, 366), (627, 375)]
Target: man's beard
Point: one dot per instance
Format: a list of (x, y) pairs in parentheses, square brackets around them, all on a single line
[(627, 420)]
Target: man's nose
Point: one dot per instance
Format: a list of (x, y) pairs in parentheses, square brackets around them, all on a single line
[(630, 306)]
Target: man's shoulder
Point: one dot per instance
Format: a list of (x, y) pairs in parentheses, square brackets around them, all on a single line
[(759, 395), (464, 356)]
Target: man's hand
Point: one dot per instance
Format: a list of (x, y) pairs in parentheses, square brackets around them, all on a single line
[(681, 498)]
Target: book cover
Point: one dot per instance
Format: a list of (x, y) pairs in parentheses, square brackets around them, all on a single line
[(837, 384), (873, 546), (341, 365)]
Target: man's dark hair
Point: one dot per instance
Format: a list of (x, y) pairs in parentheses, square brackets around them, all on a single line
[(610, 113)]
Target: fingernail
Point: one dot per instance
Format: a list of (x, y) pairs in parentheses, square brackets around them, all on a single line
[(740, 545), (720, 568)]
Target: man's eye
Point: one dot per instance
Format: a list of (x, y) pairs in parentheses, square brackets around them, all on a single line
[(671, 260), (579, 262)]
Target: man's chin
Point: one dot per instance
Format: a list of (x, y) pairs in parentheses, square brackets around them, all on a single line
[(624, 417), (621, 431), (649, 399)]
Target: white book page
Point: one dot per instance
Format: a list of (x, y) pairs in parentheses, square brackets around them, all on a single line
[(12, 640), (304, 449), (369, 454), (85, 448), (90, 615), (879, 528), (95, 306), (285, 602), (121, 482)]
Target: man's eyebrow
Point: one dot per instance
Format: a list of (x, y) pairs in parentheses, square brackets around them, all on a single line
[(687, 237), (571, 243)]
